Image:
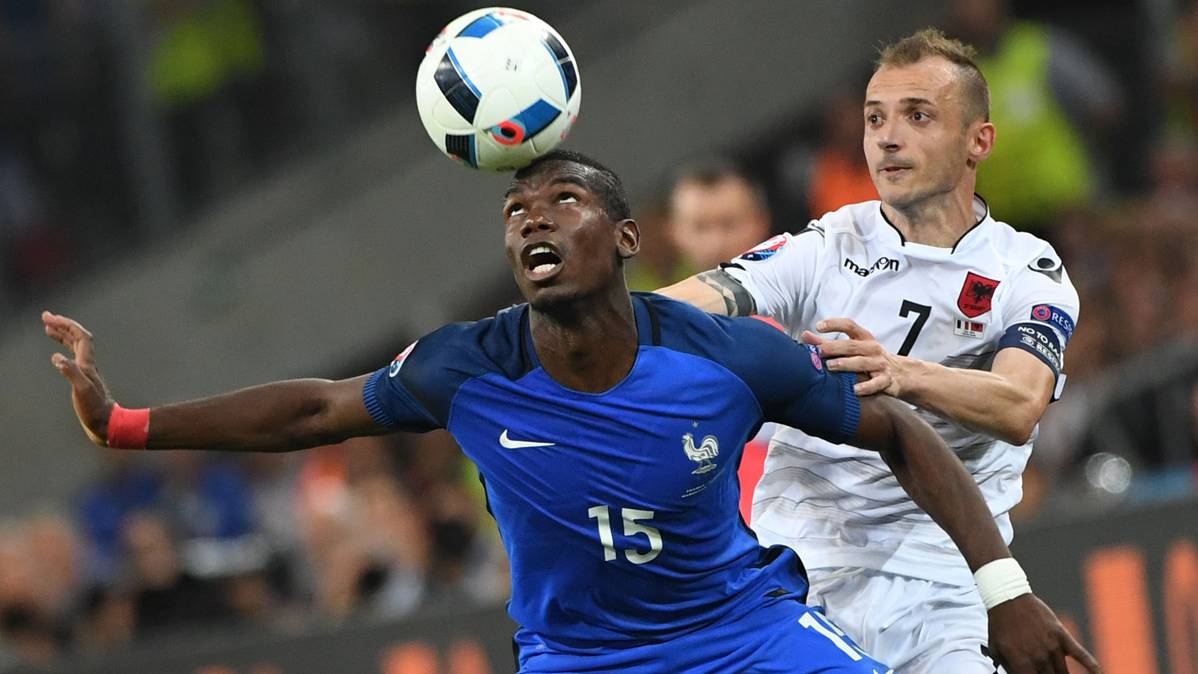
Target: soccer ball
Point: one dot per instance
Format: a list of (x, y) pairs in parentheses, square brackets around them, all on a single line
[(497, 88)]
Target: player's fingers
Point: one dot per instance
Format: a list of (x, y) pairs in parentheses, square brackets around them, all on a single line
[(846, 325), (1054, 663), (70, 369), (811, 338), (853, 364), (838, 348), (878, 382), (1079, 653)]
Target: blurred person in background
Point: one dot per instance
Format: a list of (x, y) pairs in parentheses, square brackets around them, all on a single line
[(165, 595), (716, 212), (1178, 77), (126, 484), (973, 319), (1054, 102), (204, 56), (28, 633), (107, 620)]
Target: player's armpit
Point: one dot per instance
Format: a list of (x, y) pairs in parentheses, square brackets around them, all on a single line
[(713, 291)]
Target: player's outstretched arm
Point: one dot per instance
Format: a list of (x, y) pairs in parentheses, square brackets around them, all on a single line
[(1025, 635), (281, 416)]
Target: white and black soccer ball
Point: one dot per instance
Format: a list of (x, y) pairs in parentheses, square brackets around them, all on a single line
[(498, 87)]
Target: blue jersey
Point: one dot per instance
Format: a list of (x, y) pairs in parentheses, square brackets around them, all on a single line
[(619, 510)]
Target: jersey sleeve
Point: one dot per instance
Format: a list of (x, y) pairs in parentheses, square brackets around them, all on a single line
[(791, 383), (780, 272), (411, 392), (1041, 314)]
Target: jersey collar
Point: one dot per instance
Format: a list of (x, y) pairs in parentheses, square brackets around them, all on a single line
[(648, 331), (981, 212)]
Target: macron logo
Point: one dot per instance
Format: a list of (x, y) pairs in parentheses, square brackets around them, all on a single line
[(508, 443)]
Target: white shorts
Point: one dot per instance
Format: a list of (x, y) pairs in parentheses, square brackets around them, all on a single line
[(915, 626)]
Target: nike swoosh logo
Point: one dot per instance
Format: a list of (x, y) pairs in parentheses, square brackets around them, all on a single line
[(520, 444)]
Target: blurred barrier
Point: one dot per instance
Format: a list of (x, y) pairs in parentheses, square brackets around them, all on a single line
[(1127, 584)]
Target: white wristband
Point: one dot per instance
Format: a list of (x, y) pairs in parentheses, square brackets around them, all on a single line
[(1001, 580)]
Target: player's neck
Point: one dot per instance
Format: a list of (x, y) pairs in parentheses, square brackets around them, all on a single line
[(589, 346), (940, 221)]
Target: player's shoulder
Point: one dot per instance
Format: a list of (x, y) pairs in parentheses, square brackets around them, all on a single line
[(727, 340), (1030, 260), (472, 348), (859, 220), (832, 230)]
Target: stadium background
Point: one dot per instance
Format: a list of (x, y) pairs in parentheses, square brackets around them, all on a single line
[(233, 191)]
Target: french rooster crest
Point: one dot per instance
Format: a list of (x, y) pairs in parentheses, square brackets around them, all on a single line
[(703, 454)]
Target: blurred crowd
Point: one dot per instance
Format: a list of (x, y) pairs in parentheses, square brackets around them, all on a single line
[(1096, 154), (371, 529)]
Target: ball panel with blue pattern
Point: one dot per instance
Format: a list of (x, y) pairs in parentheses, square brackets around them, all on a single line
[(461, 93)]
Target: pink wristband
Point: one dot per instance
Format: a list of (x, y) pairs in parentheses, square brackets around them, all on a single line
[(128, 429)]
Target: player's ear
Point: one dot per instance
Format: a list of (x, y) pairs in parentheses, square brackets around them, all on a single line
[(981, 141), (629, 242)]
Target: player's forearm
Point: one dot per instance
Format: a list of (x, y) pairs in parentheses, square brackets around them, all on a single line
[(939, 484), (980, 400), (281, 416), (699, 294)]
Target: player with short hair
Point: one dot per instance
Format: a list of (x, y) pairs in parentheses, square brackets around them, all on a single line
[(971, 321), (607, 428)]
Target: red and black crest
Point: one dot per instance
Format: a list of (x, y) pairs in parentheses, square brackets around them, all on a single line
[(976, 295)]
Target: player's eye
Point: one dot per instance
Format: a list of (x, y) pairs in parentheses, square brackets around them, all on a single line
[(873, 119), (920, 116), (567, 198), (514, 210)]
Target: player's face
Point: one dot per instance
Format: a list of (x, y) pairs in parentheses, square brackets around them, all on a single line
[(917, 144), (711, 224), (560, 242)]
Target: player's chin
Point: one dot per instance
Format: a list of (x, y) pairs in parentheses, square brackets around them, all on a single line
[(551, 298)]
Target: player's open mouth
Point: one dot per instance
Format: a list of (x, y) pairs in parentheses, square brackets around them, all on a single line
[(541, 261)]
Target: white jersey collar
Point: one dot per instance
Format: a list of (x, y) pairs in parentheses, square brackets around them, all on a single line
[(973, 235)]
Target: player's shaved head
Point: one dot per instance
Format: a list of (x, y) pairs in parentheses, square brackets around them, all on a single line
[(931, 43), (595, 178)]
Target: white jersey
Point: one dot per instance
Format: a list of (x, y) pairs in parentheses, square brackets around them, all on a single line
[(840, 506)]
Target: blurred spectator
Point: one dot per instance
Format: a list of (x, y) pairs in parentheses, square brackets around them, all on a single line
[(466, 566), (1048, 97), (716, 213), (124, 485), (203, 51), (839, 173), (107, 620), (658, 263), (165, 596), (206, 495), (1179, 78)]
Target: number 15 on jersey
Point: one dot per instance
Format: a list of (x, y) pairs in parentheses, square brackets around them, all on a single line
[(632, 527)]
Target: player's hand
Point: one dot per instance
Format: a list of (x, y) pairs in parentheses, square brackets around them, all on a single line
[(89, 396), (860, 353), (1027, 638)]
